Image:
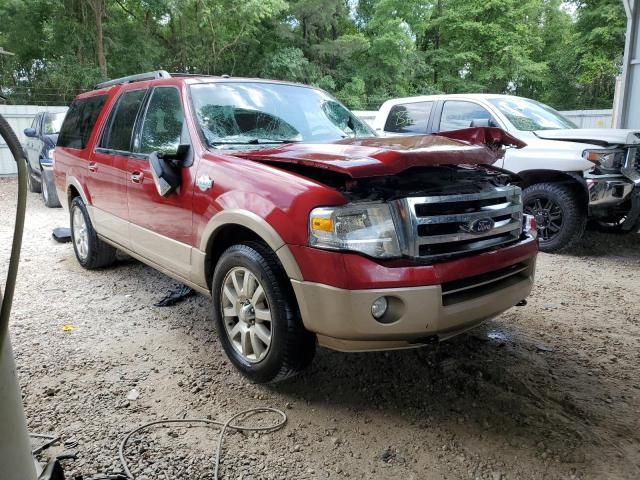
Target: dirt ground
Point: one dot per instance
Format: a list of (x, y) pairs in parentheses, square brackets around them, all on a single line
[(550, 390)]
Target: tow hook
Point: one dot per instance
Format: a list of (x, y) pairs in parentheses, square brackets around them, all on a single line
[(521, 303)]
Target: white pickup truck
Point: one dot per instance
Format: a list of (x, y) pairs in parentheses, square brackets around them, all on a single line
[(570, 174)]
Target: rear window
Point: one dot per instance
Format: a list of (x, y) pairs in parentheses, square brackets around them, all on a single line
[(79, 122), (122, 120), (409, 118)]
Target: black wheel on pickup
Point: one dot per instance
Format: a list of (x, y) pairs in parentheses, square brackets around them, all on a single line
[(91, 252), (257, 315), (559, 213)]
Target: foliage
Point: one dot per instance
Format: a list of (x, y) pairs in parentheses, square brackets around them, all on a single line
[(565, 53)]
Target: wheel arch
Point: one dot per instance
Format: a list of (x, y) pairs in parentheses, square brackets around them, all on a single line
[(74, 189), (234, 226), (572, 179)]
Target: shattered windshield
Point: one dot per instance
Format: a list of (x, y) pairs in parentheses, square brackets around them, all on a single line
[(529, 115), (253, 113)]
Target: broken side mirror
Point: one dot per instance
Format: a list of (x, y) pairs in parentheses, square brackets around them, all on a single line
[(165, 169)]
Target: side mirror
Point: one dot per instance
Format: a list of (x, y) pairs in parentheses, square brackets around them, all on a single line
[(165, 169), (30, 132)]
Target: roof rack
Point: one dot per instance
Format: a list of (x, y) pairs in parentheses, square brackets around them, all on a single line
[(135, 78)]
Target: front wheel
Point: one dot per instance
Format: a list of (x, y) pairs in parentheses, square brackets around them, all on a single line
[(91, 252), (257, 316), (33, 185), (559, 213)]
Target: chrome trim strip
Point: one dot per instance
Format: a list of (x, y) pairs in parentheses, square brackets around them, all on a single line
[(467, 217), (461, 236), (487, 282)]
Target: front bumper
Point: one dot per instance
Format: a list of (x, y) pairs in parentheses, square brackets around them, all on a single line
[(416, 315), (608, 191)]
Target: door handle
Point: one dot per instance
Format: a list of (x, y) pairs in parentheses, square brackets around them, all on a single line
[(93, 167), (136, 177)]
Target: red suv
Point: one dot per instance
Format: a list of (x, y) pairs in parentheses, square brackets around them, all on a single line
[(300, 223)]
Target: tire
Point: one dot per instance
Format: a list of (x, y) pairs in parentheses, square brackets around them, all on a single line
[(290, 348), (90, 251), (559, 212), (49, 194), (33, 185)]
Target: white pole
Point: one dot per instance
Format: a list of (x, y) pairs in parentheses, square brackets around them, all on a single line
[(16, 461)]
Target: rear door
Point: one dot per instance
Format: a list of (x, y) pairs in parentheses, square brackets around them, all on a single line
[(460, 114), (161, 227), (107, 177)]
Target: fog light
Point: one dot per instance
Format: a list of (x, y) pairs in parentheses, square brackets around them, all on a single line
[(379, 307)]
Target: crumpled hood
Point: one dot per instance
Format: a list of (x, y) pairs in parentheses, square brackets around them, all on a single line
[(598, 136), (379, 156)]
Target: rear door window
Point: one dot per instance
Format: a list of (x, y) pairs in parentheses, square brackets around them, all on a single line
[(79, 122), (409, 118), (117, 136), (457, 114)]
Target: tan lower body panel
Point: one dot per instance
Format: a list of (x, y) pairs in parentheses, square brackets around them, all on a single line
[(343, 321)]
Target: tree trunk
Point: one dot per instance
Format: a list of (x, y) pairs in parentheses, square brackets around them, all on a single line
[(98, 10), (436, 41)]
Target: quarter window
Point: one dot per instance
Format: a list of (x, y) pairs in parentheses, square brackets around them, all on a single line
[(409, 118), (459, 114), (122, 120), (79, 122), (163, 122)]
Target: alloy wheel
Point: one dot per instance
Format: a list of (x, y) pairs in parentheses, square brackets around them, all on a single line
[(548, 216), (45, 189), (246, 314), (80, 234)]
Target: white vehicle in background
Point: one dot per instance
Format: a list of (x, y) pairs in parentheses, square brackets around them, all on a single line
[(570, 175)]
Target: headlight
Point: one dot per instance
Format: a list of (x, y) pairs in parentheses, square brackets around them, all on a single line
[(607, 159), (367, 228), (50, 154)]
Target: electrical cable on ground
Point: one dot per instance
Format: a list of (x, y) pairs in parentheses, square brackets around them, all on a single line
[(224, 427)]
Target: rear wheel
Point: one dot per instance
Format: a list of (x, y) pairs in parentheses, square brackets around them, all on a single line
[(49, 194), (257, 316), (91, 252), (561, 218)]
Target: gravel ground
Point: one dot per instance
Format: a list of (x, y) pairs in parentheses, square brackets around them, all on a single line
[(550, 390)]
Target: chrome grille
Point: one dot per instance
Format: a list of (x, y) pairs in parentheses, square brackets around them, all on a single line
[(443, 225)]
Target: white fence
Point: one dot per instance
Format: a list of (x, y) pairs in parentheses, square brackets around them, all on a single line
[(590, 118), (19, 117)]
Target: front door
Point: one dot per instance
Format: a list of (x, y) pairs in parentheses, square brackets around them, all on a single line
[(160, 228)]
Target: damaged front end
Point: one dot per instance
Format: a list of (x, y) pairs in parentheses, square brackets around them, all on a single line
[(424, 198)]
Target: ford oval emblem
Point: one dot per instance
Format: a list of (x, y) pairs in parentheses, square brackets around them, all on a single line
[(479, 225)]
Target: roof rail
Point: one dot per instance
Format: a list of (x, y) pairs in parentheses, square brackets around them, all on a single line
[(135, 78)]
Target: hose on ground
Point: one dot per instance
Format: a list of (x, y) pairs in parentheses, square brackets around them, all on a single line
[(10, 138), (224, 426)]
